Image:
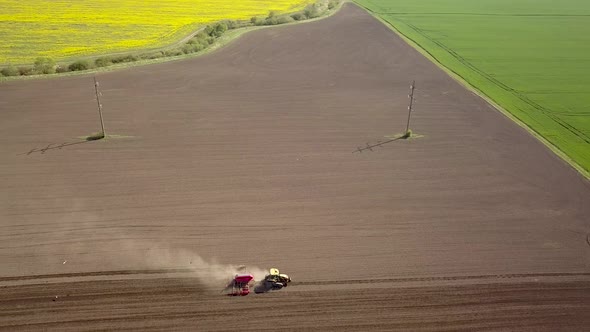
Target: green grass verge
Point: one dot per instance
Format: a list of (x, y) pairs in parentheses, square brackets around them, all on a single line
[(529, 58)]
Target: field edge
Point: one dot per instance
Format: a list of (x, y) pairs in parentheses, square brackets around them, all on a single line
[(458, 78)]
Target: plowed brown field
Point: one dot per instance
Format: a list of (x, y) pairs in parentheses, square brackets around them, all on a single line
[(244, 156)]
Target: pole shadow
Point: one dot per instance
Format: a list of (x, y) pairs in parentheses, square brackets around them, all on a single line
[(53, 146), (370, 147)]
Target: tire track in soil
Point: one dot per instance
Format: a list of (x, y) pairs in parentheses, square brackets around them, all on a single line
[(306, 283), (154, 305)]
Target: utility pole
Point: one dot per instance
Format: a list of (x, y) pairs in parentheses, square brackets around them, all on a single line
[(99, 106), (411, 96)]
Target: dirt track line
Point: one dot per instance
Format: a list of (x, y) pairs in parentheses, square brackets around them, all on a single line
[(484, 14), (456, 278), (93, 274), (319, 282)]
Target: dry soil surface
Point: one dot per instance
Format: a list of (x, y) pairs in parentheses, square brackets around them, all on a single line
[(245, 156)]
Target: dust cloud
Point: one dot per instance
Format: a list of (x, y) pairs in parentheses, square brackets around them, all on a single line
[(80, 239), (208, 272)]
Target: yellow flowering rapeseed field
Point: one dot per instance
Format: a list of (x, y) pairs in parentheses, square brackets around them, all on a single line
[(62, 29)]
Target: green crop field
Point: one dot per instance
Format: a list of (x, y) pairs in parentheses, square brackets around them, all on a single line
[(532, 57)]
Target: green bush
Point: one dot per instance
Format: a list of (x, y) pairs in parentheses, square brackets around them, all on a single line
[(188, 48), (192, 48), (201, 35), (298, 16), (216, 30), (205, 43), (25, 71), (10, 70), (278, 20), (254, 20), (79, 65), (61, 69), (44, 66), (197, 41), (201, 45), (202, 38), (151, 56), (103, 61), (311, 11), (124, 58), (173, 52), (231, 24), (332, 4), (284, 19), (271, 21)]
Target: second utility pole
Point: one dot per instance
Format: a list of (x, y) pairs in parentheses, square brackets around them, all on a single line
[(411, 96), (99, 106)]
